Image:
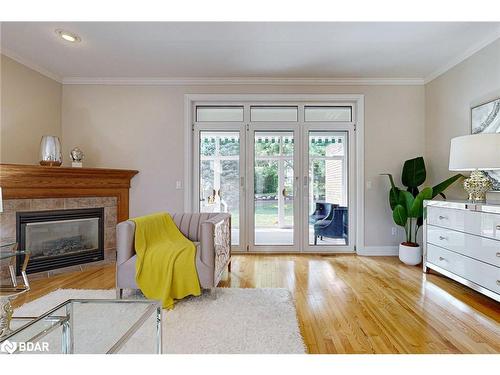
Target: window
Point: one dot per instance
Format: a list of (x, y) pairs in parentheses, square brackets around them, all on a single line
[(328, 114), (219, 114), (258, 113)]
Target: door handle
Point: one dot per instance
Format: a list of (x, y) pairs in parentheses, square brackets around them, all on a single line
[(284, 192)]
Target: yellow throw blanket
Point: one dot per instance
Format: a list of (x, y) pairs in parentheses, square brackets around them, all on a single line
[(165, 269)]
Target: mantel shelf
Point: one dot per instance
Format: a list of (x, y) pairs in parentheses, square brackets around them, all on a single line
[(32, 181)]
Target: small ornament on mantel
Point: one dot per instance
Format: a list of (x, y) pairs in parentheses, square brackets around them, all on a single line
[(76, 156)]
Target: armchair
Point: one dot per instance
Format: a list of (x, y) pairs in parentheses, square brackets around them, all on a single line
[(333, 226), (211, 234), (323, 210)]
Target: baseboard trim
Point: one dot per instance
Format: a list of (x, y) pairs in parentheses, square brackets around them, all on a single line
[(378, 251)]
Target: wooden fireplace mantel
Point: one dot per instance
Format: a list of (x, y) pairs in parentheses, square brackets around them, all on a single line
[(32, 181)]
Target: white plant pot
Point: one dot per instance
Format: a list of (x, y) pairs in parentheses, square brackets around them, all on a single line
[(410, 255)]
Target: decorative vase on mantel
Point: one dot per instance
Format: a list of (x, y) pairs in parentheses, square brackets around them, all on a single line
[(50, 151)]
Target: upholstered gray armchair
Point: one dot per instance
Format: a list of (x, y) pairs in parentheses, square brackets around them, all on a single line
[(211, 234)]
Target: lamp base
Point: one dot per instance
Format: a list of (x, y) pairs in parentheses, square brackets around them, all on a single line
[(477, 185)]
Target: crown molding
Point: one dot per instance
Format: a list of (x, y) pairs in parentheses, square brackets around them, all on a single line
[(206, 81), (464, 56), (211, 81), (30, 64)]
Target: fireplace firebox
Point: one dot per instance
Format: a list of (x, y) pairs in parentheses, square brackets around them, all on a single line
[(60, 238)]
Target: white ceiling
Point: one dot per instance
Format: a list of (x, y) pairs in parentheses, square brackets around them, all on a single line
[(139, 50)]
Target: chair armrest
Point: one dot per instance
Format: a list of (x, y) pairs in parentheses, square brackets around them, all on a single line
[(215, 240), (125, 241)]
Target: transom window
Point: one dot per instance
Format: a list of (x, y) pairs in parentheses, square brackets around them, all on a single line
[(328, 114), (219, 113), (270, 114), (274, 113)]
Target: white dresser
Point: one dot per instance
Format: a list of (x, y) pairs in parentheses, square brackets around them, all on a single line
[(462, 242)]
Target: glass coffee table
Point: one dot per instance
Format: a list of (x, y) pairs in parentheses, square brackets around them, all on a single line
[(8, 292), (90, 326)]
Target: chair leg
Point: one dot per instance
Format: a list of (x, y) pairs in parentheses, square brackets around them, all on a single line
[(119, 293), (212, 292)]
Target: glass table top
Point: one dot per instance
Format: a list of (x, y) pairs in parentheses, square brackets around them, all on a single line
[(10, 254), (8, 249), (7, 244), (93, 326)]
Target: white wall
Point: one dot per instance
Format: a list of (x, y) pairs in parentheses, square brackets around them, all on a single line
[(141, 127), (448, 101), (31, 107)]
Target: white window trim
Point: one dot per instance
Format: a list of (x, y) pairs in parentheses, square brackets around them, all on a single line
[(358, 118)]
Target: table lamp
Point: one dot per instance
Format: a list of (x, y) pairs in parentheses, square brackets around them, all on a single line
[(476, 153)]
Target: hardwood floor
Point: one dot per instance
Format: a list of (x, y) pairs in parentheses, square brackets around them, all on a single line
[(351, 304)]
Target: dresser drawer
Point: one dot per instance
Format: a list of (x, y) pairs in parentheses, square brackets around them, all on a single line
[(483, 274), (478, 223), (484, 249)]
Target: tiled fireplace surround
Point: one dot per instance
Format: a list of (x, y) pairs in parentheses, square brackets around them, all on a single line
[(11, 206), (37, 188)]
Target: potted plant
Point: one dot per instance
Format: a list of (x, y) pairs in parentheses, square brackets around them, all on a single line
[(408, 205)]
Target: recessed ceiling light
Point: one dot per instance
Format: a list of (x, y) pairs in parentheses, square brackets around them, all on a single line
[(68, 36)]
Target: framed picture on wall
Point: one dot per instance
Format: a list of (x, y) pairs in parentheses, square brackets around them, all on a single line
[(485, 118)]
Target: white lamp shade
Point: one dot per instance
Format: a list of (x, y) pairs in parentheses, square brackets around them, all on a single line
[(475, 152)]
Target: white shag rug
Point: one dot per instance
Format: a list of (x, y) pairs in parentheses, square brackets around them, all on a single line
[(259, 321)]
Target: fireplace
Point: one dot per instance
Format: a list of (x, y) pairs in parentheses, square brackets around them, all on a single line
[(60, 238)]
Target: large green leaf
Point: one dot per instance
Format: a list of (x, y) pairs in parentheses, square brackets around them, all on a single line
[(417, 208), (413, 190), (393, 193), (393, 197), (399, 215), (406, 200), (439, 188), (414, 174)]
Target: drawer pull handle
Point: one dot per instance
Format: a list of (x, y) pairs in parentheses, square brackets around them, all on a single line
[(498, 227), (442, 217), (498, 282), (498, 255), (442, 238), (441, 259)]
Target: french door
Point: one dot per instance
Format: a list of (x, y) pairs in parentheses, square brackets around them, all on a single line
[(286, 178), (220, 175), (272, 169)]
